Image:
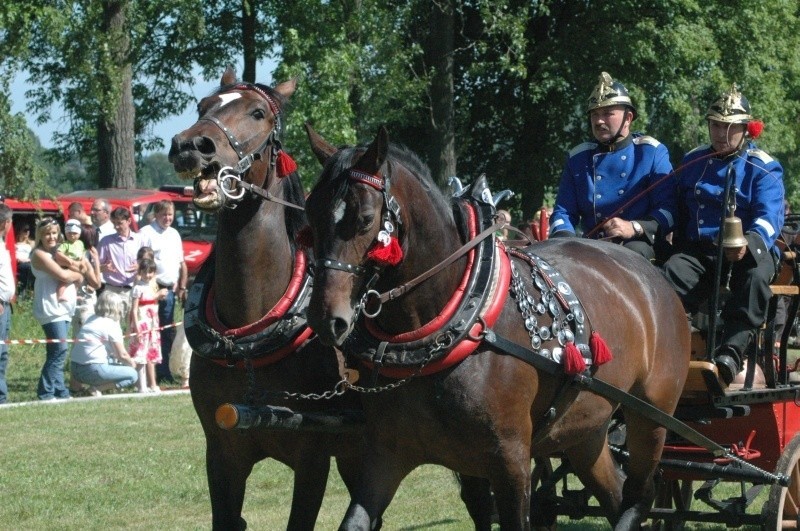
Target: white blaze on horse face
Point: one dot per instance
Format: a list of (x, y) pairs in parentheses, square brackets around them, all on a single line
[(229, 97), (338, 211)]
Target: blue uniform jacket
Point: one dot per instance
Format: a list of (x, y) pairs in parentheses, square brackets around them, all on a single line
[(759, 195), (596, 183)]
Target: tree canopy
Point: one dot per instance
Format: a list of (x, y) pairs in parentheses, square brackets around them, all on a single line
[(473, 86)]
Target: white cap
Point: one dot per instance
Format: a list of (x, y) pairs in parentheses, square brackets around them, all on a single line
[(72, 225)]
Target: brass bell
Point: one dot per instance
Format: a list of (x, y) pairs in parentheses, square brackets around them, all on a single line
[(732, 235)]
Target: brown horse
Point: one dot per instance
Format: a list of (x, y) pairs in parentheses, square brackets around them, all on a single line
[(486, 414), (246, 302)]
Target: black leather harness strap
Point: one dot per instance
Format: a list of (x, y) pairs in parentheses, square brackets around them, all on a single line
[(606, 390)]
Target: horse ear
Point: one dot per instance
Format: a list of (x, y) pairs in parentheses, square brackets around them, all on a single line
[(287, 88), (228, 77), (372, 160), (321, 148)]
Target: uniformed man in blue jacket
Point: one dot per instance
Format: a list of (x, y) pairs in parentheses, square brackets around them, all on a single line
[(619, 186), (757, 180)]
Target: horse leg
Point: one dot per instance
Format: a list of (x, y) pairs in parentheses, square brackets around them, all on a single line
[(511, 484), (227, 479), (310, 480), (381, 476), (598, 471), (645, 441), (476, 493)]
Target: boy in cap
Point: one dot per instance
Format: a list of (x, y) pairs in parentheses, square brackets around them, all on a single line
[(70, 253)]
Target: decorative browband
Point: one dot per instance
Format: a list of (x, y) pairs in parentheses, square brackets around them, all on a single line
[(375, 181)]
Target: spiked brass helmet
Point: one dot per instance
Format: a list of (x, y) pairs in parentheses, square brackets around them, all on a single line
[(608, 92), (731, 107)]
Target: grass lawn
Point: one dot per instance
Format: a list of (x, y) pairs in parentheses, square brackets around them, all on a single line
[(132, 462)]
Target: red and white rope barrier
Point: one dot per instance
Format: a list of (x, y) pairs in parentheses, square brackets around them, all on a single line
[(45, 341)]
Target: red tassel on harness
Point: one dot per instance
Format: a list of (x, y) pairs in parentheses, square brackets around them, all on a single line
[(754, 128), (305, 238), (386, 255), (600, 352), (573, 361), (285, 164)]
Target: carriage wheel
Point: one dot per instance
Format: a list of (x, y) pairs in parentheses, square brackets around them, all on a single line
[(673, 494), (544, 510), (783, 506)]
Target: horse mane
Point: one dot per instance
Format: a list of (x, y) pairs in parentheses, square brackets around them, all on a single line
[(294, 193), (335, 172)]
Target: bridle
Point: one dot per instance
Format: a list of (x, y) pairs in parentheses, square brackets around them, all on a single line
[(391, 212), (229, 178), (390, 222)]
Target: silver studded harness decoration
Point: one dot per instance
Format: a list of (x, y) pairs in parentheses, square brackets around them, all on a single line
[(557, 301)]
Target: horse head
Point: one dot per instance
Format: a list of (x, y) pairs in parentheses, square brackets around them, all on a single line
[(361, 215), (233, 143)]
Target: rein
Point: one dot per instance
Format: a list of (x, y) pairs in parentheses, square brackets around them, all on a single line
[(400, 290)]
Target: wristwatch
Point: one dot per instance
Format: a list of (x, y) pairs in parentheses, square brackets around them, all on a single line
[(637, 228)]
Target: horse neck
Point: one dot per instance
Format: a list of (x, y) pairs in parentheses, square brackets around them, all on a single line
[(254, 261), (429, 243)]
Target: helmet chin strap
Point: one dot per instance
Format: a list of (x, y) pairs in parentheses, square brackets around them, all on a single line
[(618, 134), (732, 149)]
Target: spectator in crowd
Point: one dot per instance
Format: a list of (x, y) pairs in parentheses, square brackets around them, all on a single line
[(24, 246), (87, 290), (757, 180), (7, 291), (87, 293), (101, 219), (97, 343), (145, 345), (505, 217), (71, 251), (117, 253), (76, 211), (171, 275), (617, 186), (53, 314)]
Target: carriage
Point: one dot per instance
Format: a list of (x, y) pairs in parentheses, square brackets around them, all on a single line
[(484, 381)]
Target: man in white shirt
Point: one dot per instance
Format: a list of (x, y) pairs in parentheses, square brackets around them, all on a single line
[(101, 218), (7, 291), (171, 273)]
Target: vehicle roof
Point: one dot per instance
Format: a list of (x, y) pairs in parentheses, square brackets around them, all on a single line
[(37, 204), (118, 194)]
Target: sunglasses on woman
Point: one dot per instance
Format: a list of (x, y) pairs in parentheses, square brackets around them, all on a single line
[(47, 221)]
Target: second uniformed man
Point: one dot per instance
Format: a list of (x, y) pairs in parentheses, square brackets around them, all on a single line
[(757, 183)]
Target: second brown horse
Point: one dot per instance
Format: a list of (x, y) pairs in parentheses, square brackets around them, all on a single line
[(489, 414)]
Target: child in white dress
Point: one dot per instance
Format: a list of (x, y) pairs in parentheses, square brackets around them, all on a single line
[(145, 346)]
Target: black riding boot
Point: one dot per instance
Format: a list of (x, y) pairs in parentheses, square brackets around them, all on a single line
[(728, 358)]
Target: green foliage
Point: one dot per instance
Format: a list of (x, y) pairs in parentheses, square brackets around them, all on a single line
[(21, 172), (521, 72)]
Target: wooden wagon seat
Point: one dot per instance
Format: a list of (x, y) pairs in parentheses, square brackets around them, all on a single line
[(697, 381)]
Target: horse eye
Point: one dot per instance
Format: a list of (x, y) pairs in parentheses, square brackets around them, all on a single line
[(365, 223), (259, 114)]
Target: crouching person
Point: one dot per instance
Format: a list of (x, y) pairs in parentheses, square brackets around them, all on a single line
[(99, 358)]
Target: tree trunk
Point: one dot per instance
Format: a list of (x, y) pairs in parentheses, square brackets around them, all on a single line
[(249, 41), (439, 57), (115, 136)]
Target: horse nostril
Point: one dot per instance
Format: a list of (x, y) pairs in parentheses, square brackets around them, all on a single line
[(174, 148), (339, 328), (204, 145)]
